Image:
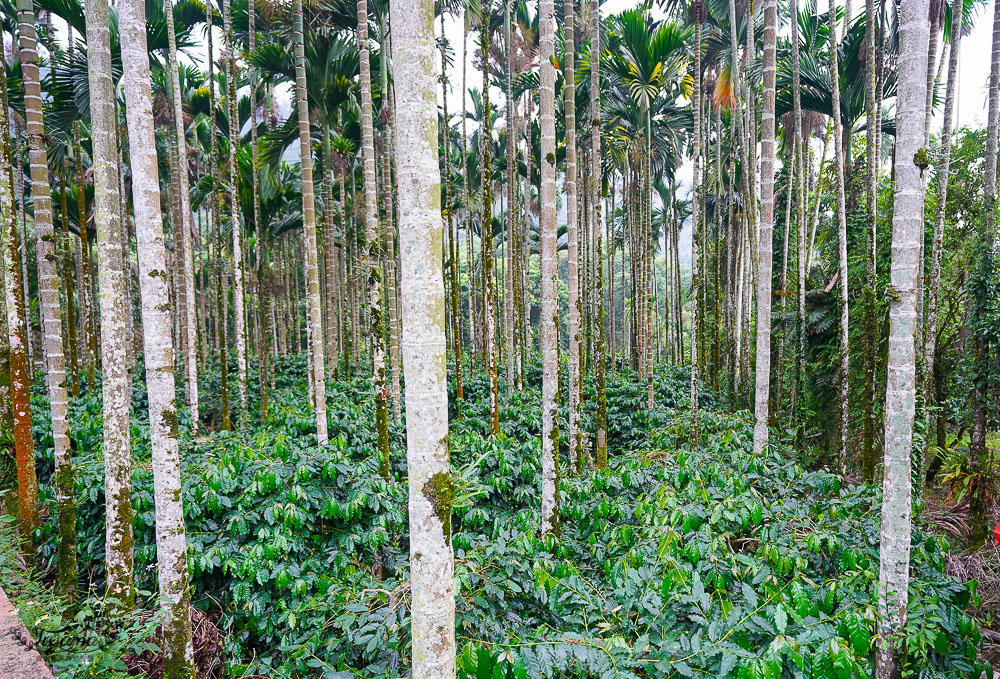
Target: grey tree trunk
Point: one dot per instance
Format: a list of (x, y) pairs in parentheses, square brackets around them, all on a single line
[(695, 204), (601, 415), (372, 251), (239, 268), (900, 395), (171, 547), (573, 238), (765, 248), (424, 346), (190, 339), (116, 387), (548, 323), (943, 168), (841, 243), (309, 221)]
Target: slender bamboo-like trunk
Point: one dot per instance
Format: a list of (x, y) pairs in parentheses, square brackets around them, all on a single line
[(508, 297), (456, 315), (48, 294), (216, 206), (372, 249), (116, 386), (549, 321), (389, 230), (900, 397), (71, 345), (469, 267), (572, 235), (186, 308), (698, 12), (17, 329), (486, 230), (765, 245), (424, 345), (239, 267), (86, 306), (171, 548), (943, 167), (601, 413), (263, 241), (838, 147), (309, 221), (329, 258), (799, 153), (22, 240)]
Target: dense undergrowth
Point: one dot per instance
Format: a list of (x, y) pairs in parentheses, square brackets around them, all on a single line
[(673, 562)]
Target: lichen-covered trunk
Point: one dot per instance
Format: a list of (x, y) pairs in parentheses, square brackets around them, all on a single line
[(239, 267), (171, 548), (116, 386), (456, 310), (17, 330), (548, 324), (309, 235), (189, 338), (71, 344), (48, 295), (943, 166), (424, 347), (900, 394), (86, 305), (765, 247), (572, 237), (695, 205), (486, 232), (601, 414), (511, 250), (841, 210), (372, 250)]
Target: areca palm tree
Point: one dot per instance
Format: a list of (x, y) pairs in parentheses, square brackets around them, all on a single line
[(372, 249), (171, 547), (48, 292)]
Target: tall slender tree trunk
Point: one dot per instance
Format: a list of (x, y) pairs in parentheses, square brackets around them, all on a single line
[(549, 321), (239, 268), (572, 235), (841, 244), (189, 341), (372, 249), (452, 231), (601, 413), (116, 385), (870, 303), (71, 344), (766, 246), (698, 13), (486, 229), (424, 345), (900, 397), (389, 230), (943, 167), (171, 548), (86, 306), (17, 329), (48, 294), (309, 221)]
